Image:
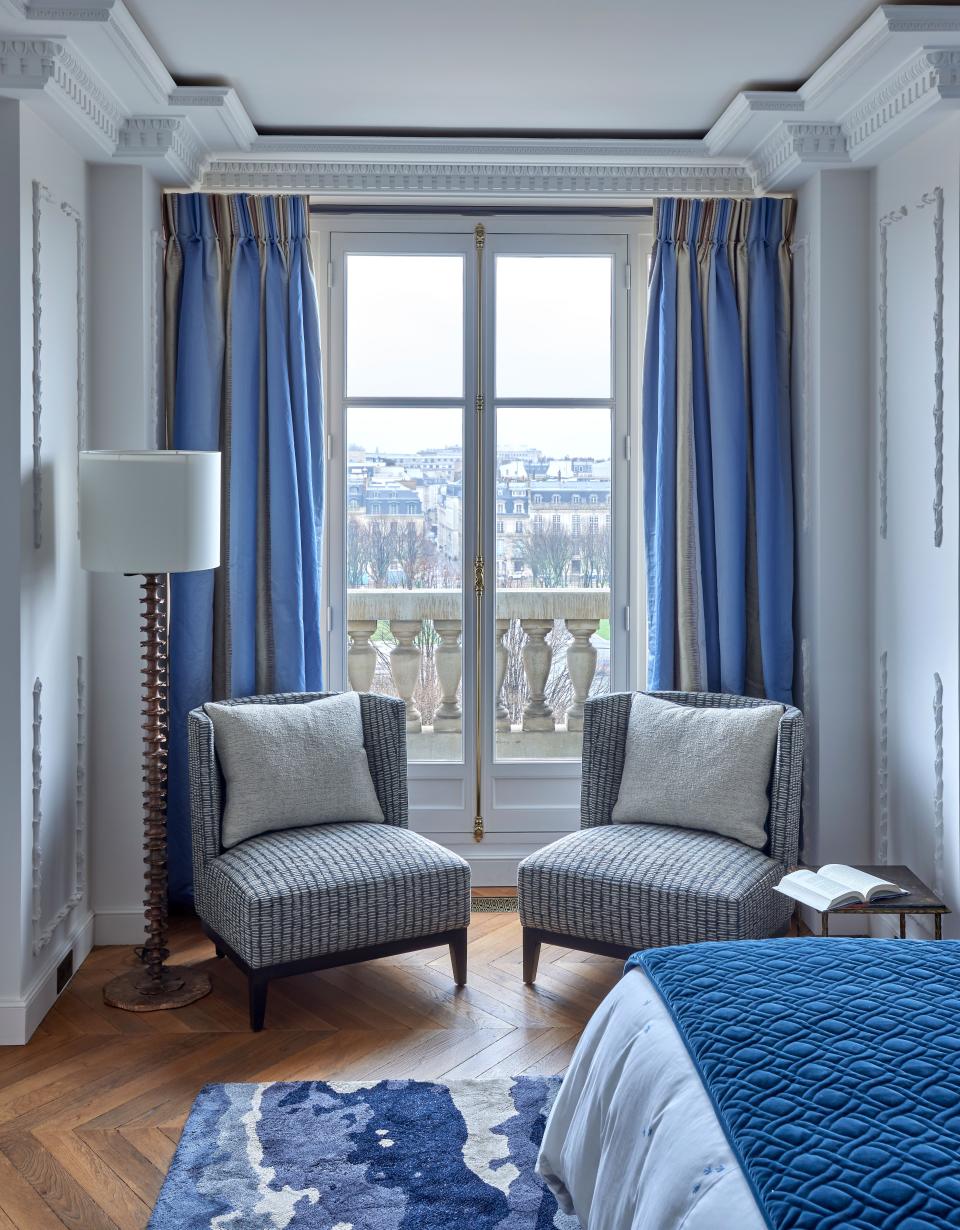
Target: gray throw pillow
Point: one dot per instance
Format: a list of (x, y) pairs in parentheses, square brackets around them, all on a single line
[(287, 766), (703, 769)]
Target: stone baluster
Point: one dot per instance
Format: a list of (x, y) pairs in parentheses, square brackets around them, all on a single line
[(503, 718), (361, 656), (405, 667), (537, 656), (449, 715), (581, 667)]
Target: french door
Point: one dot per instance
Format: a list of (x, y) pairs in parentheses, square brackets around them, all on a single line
[(482, 545)]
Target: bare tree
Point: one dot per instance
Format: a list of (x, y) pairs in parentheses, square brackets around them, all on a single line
[(416, 556), (381, 551), (548, 555), (593, 548), (358, 551)]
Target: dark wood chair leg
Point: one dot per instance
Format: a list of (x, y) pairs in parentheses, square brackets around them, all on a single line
[(258, 1001), (220, 952), (531, 956), (458, 957)]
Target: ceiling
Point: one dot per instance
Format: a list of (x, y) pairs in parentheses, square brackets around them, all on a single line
[(630, 67)]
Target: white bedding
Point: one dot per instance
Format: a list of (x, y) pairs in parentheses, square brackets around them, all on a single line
[(632, 1141)]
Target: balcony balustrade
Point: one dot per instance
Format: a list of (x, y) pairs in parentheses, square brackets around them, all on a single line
[(408, 642)]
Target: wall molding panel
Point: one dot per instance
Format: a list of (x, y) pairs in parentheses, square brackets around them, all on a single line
[(877, 90), (43, 933), (883, 782), (41, 196), (886, 222), (935, 199), (938, 785)]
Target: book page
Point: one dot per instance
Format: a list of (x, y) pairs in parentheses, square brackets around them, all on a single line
[(816, 890), (859, 881)]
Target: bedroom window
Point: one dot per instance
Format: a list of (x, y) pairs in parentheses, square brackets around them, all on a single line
[(422, 319)]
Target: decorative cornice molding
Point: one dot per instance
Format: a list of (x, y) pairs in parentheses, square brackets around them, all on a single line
[(882, 78), (791, 145), (930, 77), (51, 66), (883, 792), (169, 137), (938, 785), (557, 181)]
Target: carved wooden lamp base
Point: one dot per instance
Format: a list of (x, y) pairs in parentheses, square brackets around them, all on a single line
[(137, 992), (156, 985)]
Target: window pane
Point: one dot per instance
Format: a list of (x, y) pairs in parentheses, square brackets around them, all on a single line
[(404, 520), (553, 326), (404, 326), (553, 576)]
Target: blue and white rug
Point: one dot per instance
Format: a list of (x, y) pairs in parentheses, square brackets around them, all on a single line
[(351, 1155)]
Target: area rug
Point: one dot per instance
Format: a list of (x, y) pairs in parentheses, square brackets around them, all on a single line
[(363, 1155)]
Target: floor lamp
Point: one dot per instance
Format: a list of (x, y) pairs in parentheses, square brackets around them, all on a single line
[(151, 513)]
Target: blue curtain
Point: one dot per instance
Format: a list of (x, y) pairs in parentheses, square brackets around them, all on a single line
[(243, 376), (718, 486)]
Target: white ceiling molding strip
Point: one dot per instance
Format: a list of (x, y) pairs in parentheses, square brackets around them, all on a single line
[(91, 72)]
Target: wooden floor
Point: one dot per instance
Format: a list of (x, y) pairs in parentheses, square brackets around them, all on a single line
[(91, 1109)]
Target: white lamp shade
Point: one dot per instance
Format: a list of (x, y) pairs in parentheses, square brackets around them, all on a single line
[(149, 511)]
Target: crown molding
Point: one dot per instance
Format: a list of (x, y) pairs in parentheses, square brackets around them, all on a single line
[(540, 181), (90, 70)]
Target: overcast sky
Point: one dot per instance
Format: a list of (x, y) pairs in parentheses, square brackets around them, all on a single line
[(405, 339)]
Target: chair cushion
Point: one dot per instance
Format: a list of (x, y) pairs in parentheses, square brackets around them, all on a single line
[(647, 885), (699, 768), (310, 892), (287, 765)]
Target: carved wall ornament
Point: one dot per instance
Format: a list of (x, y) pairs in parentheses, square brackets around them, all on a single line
[(886, 222), (43, 934), (938, 785), (883, 794), (935, 199), (41, 196)]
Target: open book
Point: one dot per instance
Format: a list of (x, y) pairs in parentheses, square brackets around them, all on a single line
[(834, 885)]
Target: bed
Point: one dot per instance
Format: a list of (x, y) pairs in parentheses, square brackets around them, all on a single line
[(798, 1083)]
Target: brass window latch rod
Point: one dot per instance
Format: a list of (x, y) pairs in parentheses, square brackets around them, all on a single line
[(479, 237)]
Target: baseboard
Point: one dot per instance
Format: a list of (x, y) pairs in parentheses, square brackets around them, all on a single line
[(118, 927), (20, 1017)]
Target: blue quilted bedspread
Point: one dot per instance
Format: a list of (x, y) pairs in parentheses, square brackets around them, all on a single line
[(834, 1068)]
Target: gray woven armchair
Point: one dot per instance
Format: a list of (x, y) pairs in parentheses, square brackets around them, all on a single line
[(616, 888), (302, 899)]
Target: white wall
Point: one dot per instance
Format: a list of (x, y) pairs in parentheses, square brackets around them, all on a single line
[(915, 596), (46, 658), (832, 398), (124, 346)]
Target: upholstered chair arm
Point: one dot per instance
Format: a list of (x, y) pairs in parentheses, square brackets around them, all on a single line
[(605, 720), (385, 737), (206, 799)]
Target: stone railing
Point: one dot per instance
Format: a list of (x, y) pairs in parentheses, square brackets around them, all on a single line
[(581, 610)]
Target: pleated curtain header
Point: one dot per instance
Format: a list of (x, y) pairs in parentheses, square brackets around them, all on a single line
[(268, 219), (723, 221)]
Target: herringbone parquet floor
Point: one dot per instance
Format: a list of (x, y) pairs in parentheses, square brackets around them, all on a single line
[(91, 1109)]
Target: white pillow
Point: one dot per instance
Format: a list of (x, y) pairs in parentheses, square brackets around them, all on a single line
[(699, 768), (287, 766)]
